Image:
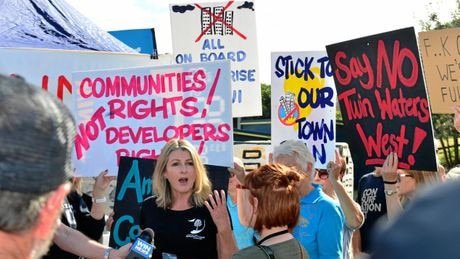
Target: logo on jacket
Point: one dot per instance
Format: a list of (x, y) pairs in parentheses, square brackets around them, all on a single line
[(199, 226)]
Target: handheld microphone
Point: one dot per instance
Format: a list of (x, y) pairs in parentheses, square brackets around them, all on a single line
[(143, 246)]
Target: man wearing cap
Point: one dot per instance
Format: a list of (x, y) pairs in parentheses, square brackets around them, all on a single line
[(36, 139)]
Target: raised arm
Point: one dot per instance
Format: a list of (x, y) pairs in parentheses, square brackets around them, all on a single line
[(217, 206), (75, 242), (389, 173), (238, 171), (354, 217), (101, 184)]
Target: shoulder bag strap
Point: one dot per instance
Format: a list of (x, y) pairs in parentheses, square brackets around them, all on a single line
[(267, 251)]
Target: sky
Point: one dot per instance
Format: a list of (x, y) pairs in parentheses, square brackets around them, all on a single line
[(286, 25)]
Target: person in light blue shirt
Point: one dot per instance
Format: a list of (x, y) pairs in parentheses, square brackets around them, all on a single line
[(331, 181), (244, 236), (320, 227)]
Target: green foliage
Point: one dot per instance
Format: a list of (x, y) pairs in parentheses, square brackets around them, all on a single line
[(433, 22), (266, 101), (266, 91)]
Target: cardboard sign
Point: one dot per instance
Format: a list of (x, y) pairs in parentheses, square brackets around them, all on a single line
[(134, 112), (441, 62), (205, 32), (134, 184), (303, 101), (383, 99)]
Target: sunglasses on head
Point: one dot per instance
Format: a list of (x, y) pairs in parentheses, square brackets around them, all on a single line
[(322, 174), (398, 177)]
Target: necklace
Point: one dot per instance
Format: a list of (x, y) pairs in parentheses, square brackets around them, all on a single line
[(279, 233)]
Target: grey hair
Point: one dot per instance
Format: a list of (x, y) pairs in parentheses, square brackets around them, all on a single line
[(27, 205), (297, 149)]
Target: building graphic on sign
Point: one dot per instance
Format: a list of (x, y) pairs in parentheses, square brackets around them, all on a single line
[(217, 21)]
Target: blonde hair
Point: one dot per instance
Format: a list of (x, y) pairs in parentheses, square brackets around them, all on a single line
[(161, 187), (422, 179)]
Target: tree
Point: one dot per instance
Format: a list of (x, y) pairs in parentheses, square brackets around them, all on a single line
[(266, 101), (443, 123), (266, 91)]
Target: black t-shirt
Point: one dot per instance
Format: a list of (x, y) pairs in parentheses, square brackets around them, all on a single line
[(371, 197), (81, 210), (189, 234)]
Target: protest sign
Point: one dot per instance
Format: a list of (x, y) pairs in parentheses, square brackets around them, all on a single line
[(383, 99), (221, 31), (134, 184), (134, 112), (253, 154), (440, 50), (52, 69), (303, 102)]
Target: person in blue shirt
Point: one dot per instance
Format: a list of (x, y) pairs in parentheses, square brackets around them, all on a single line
[(320, 227), (244, 236), (331, 181)]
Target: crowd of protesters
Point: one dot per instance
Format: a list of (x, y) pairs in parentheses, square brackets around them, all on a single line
[(287, 208)]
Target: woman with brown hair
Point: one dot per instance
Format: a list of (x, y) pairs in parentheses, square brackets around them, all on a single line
[(268, 201)]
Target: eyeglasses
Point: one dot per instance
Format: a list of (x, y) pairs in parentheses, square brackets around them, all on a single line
[(398, 177), (322, 174)]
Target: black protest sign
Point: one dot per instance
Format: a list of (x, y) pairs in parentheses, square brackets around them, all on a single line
[(134, 184), (383, 99)]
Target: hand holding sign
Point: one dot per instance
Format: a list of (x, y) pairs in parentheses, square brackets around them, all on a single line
[(334, 167), (390, 168)]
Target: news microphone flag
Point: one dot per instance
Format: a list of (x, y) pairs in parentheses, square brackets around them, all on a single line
[(143, 246)]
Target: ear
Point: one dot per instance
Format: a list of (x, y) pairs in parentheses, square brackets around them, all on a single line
[(255, 205), (255, 210), (51, 212), (310, 168)]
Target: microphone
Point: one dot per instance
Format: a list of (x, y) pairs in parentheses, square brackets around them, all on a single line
[(143, 246)]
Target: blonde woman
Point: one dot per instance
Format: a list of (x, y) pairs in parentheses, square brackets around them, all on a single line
[(402, 185), (187, 220)]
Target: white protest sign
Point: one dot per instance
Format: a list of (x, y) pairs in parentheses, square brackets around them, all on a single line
[(134, 112), (303, 101), (52, 69), (204, 32)]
